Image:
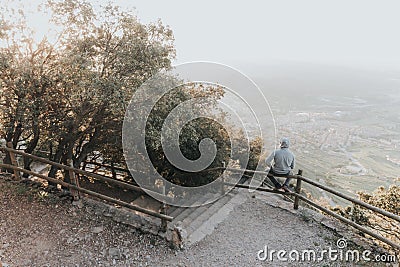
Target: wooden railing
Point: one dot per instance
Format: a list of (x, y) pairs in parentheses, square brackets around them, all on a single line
[(75, 189), (74, 185), (297, 197)]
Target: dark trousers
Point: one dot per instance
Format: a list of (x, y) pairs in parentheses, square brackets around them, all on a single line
[(278, 185)]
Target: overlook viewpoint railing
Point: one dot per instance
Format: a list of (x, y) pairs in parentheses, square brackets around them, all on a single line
[(297, 197), (76, 189), (74, 185)]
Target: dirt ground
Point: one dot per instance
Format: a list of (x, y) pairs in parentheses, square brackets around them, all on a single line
[(41, 229)]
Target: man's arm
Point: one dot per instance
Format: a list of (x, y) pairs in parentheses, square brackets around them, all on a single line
[(268, 160), (293, 163)]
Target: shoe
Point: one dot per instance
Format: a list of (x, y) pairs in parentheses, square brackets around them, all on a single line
[(280, 189), (287, 189)]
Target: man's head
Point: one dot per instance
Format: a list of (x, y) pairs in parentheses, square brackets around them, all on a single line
[(285, 142)]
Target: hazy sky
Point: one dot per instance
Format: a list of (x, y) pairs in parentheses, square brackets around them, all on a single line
[(342, 31), (348, 32)]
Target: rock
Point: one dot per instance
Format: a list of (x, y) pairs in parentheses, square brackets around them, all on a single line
[(71, 240), (6, 245), (62, 231), (97, 230), (179, 236), (126, 254), (114, 253), (78, 203), (26, 263), (98, 212)]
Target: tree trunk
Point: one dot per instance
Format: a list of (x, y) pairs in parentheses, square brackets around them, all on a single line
[(31, 147), (12, 135), (57, 158), (67, 160)]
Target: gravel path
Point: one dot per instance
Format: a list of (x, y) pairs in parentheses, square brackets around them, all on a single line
[(43, 230), (250, 228), (40, 230)]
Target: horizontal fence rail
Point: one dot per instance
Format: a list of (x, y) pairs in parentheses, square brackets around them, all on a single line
[(85, 173), (106, 166), (354, 200), (299, 177), (345, 220), (17, 170), (298, 196), (328, 189), (86, 191), (349, 222)]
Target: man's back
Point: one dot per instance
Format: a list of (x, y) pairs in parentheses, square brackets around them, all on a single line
[(283, 164), (283, 161)]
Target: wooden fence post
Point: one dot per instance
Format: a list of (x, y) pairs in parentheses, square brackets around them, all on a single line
[(297, 190), (164, 223), (163, 211), (74, 181), (113, 171), (223, 180), (14, 162)]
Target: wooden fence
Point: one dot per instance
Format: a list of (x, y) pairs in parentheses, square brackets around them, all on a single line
[(75, 189), (297, 197), (74, 185)]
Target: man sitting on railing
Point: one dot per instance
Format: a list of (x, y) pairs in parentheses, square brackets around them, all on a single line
[(283, 165)]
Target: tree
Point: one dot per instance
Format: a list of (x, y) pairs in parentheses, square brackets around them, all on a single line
[(106, 56), (386, 199), (191, 134), (89, 73), (68, 94), (26, 83)]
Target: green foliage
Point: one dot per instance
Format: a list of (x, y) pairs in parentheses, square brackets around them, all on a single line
[(386, 199), (192, 133), (67, 94), (256, 146)]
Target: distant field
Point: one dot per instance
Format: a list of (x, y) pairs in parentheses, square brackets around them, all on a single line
[(351, 144)]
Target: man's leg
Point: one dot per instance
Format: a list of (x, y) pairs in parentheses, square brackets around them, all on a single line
[(287, 181), (274, 181), (285, 186)]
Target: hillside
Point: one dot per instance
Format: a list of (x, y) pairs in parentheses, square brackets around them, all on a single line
[(39, 229)]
